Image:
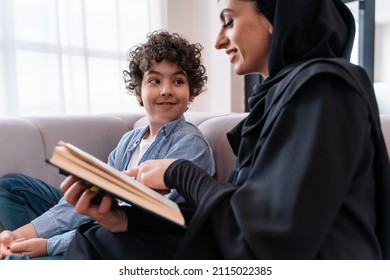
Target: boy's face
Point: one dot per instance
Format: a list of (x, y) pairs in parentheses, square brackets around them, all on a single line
[(165, 93)]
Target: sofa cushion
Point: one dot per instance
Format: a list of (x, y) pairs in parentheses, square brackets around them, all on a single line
[(215, 130)]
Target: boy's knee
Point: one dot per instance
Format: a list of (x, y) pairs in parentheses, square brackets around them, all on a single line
[(11, 179)]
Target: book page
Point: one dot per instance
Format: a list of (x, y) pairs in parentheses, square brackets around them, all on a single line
[(115, 174), (96, 172)]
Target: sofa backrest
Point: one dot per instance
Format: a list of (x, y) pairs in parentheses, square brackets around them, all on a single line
[(26, 142), (215, 131), (195, 118)]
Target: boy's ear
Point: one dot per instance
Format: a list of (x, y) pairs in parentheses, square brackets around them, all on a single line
[(139, 100)]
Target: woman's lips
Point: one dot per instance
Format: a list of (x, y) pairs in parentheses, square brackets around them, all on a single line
[(232, 54)]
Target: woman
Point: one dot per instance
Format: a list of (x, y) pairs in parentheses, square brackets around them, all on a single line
[(311, 162)]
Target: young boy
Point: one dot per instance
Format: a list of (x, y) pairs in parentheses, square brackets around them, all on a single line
[(166, 74)]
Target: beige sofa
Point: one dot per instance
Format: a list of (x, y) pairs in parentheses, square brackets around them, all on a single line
[(26, 142)]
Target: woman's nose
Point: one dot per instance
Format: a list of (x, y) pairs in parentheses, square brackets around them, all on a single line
[(221, 41)]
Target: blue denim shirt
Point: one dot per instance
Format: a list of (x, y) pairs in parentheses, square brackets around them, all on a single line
[(177, 139)]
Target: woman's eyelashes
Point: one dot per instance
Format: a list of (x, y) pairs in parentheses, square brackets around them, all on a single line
[(228, 23)]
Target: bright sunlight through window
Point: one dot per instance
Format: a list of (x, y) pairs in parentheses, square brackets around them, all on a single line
[(67, 56)]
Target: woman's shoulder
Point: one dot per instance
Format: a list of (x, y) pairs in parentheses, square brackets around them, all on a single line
[(337, 67), (338, 71), (321, 76)]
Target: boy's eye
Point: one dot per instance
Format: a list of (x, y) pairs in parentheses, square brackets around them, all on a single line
[(154, 81), (179, 81)]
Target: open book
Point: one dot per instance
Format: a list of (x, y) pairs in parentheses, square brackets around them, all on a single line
[(97, 173)]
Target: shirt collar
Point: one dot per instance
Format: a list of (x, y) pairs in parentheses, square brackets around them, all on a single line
[(166, 129)]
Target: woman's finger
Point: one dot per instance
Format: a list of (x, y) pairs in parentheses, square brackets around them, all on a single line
[(74, 192), (68, 182)]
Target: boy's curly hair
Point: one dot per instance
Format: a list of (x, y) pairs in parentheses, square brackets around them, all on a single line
[(162, 45)]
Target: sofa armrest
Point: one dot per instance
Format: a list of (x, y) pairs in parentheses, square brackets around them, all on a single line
[(21, 148)]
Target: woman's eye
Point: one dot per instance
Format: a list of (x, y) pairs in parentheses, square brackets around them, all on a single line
[(228, 23)]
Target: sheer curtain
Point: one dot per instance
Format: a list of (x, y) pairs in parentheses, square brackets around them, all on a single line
[(67, 56)]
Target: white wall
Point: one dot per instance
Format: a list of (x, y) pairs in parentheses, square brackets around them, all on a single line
[(382, 42), (382, 67), (198, 21), (382, 55)]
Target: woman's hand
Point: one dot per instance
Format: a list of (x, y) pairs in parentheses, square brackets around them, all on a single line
[(106, 211), (151, 174)]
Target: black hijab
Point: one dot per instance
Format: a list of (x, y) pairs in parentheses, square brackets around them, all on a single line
[(310, 29), (311, 37), (303, 30)]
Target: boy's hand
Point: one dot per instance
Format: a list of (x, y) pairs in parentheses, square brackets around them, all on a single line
[(27, 232), (10, 245), (4, 250), (6, 239), (33, 247)]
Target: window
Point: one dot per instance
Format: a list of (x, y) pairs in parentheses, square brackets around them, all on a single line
[(67, 56), (354, 7), (363, 52)]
